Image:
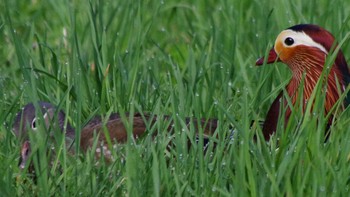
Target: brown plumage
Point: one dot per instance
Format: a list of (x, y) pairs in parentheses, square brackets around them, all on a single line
[(26, 121), (304, 48)]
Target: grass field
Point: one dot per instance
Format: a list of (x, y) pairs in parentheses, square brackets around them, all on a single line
[(180, 58)]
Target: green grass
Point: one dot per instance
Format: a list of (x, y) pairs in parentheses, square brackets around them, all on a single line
[(184, 59)]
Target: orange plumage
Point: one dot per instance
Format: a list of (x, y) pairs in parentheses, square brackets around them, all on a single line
[(304, 48)]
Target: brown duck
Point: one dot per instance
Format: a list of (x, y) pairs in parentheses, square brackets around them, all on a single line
[(27, 120)]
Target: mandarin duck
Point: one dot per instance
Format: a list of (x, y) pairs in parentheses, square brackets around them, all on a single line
[(27, 120), (304, 49)]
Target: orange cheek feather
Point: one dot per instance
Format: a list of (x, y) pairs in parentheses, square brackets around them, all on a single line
[(283, 53)]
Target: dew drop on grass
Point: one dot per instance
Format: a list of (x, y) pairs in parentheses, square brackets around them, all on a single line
[(211, 154), (322, 188), (210, 167), (231, 141), (197, 94), (213, 189)]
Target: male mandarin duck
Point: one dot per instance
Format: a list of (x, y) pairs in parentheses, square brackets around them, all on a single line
[(27, 120), (304, 48)]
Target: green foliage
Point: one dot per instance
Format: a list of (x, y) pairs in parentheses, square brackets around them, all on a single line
[(167, 57)]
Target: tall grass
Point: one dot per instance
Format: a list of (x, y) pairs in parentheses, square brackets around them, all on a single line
[(183, 59)]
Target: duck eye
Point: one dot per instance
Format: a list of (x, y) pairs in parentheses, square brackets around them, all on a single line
[(289, 41), (34, 124)]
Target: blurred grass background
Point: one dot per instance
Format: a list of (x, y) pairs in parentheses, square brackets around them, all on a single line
[(184, 59)]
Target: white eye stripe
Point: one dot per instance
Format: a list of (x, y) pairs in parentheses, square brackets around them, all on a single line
[(33, 125), (45, 115), (34, 121), (300, 38)]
